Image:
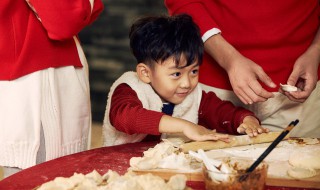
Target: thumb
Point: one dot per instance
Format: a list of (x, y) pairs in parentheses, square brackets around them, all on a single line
[(293, 78), (241, 129)]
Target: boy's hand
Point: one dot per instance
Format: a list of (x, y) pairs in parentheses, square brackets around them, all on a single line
[(193, 131), (251, 127), (200, 133)]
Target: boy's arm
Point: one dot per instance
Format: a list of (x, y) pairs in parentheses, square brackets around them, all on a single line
[(193, 131), (128, 115), (223, 116)]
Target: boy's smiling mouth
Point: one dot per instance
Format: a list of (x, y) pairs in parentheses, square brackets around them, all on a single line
[(182, 94)]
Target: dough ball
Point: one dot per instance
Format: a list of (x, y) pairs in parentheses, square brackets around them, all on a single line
[(306, 159), (300, 173)]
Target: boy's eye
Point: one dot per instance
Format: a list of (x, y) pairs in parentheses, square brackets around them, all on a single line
[(176, 74), (195, 71)]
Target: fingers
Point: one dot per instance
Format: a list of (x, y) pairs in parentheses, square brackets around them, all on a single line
[(257, 93), (293, 78), (297, 96), (213, 136), (305, 90), (253, 92), (244, 129), (263, 77), (250, 89), (200, 133), (251, 130), (260, 92)]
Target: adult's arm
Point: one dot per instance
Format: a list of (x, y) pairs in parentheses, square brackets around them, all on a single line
[(305, 72), (196, 9), (65, 19), (243, 73)]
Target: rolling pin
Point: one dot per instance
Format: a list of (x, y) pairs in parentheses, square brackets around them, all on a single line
[(240, 140)]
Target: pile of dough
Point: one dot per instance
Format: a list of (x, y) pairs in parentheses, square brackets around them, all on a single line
[(164, 156), (304, 163), (113, 181)]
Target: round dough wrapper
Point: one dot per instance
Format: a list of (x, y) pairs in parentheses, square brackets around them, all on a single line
[(306, 159), (300, 173)]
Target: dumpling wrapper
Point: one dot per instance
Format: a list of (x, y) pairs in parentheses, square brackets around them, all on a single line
[(288, 88), (301, 173), (309, 159)]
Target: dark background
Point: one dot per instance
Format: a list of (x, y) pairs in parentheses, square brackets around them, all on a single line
[(106, 45)]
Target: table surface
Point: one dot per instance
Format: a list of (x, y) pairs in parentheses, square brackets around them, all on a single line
[(102, 159)]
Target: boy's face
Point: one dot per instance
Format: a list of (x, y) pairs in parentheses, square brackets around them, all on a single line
[(174, 84)]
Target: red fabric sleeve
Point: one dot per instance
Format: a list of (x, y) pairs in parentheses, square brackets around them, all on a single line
[(128, 115), (65, 19), (192, 8), (223, 116)]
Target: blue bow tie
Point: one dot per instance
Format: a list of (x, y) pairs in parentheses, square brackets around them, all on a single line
[(167, 108)]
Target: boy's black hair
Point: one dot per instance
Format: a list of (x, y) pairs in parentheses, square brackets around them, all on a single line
[(156, 38)]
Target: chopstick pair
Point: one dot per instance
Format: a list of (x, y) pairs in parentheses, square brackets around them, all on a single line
[(270, 148)]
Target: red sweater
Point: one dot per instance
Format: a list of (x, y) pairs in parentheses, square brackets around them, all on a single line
[(128, 115), (28, 45), (271, 33)]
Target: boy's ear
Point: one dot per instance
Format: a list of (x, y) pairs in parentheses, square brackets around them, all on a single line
[(143, 72)]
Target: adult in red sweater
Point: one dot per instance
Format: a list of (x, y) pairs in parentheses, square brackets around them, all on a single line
[(253, 46), (44, 90), (163, 95)]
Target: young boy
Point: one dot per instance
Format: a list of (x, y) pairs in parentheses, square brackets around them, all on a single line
[(163, 95)]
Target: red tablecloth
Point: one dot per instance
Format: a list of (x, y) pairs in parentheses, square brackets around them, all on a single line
[(102, 159)]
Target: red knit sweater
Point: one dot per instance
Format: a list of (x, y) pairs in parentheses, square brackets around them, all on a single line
[(28, 45), (128, 115), (271, 33)]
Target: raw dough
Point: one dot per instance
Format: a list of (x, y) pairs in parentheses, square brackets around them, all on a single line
[(300, 173), (288, 88), (309, 159)]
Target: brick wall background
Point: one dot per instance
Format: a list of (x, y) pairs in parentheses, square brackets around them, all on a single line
[(106, 45)]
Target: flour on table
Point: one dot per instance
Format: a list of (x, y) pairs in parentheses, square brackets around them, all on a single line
[(304, 141)]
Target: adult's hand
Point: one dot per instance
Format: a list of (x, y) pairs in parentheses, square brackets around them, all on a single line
[(244, 74), (304, 75), (305, 72)]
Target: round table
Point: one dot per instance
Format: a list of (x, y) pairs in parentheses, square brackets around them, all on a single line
[(101, 159)]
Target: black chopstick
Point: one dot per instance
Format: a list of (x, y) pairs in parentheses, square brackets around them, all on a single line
[(270, 148)]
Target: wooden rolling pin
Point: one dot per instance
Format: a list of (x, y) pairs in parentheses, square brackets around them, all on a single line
[(235, 141)]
